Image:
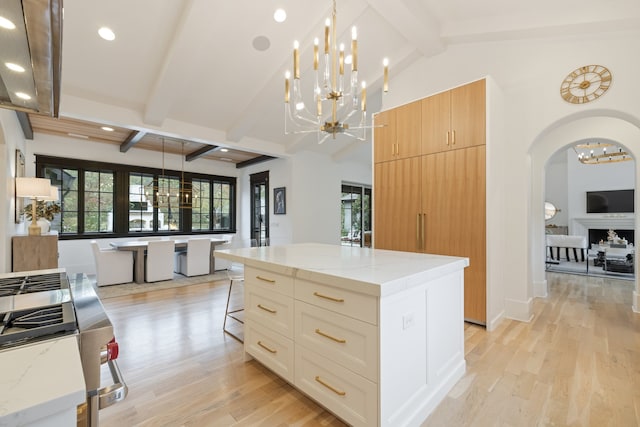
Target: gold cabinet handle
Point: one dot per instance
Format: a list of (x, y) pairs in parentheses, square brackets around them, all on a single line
[(447, 138), (324, 334), (319, 295), (270, 310), (418, 240), (270, 350), (265, 280), (397, 149), (424, 237), (330, 387), (453, 137)]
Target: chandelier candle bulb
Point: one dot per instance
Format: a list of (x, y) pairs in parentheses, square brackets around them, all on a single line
[(296, 60), (316, 54), (287, 75), (354, 49), (364, 96), (327, 27), (385, 84), (341, 59)]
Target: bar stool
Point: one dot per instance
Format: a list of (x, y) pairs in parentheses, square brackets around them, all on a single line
[(235, 274)]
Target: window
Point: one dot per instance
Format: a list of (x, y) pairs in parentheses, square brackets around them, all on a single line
[(355, 215), (122, 200)]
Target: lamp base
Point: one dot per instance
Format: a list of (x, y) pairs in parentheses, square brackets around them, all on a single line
[(34, 229)]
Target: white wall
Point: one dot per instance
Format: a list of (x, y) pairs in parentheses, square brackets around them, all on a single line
[(11, 138), (557, 187)]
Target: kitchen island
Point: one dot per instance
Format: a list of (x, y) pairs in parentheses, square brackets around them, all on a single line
[(375, 336)]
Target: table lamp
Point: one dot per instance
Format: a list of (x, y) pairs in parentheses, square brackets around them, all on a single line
[(34, 188)]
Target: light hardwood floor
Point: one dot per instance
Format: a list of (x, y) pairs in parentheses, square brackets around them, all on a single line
[(577, 363)]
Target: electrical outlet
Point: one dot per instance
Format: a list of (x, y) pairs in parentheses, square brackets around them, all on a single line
[(408, 321)]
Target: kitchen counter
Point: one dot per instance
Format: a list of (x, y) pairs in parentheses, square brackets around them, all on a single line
[(375, 336), (42, 384)]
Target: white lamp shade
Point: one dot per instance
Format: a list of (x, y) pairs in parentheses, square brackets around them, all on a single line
[(53, 194), (33, 187)]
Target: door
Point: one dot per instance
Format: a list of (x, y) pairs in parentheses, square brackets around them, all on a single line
[(355, 215), (260, 208)]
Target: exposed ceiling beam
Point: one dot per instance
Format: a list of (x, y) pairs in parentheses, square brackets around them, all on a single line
[(133, 138), (254, 161), (201, 152), (25, 124)]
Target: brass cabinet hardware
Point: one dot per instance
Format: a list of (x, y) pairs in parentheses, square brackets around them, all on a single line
[(447, 137), (424, 232), (270, 310), (324, 334), (453, 137), (418, 240), (330, 387), (265, 280), (319, 295), (270, 350)]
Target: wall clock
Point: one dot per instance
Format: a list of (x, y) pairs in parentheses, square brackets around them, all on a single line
[(585, 84)]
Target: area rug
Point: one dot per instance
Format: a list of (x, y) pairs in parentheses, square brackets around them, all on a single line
[(112, 291)]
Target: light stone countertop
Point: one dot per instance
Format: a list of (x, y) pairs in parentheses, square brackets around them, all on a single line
[(40, 380), (372, 271)]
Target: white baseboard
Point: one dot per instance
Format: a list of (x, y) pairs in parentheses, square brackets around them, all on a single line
[(540, 289), (519, 310), (493, 323)]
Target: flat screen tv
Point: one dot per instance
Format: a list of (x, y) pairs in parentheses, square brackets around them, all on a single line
[(614, 201)]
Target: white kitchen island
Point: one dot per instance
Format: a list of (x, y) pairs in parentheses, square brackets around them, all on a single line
[(375, 336)]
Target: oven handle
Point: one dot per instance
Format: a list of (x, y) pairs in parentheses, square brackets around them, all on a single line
[(115, 393)]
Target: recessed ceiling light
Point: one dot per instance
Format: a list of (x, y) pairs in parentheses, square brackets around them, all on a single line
[(5, 23), (14, 67), (23, 95), (261, 43), (280, 15), (224, 150), (106, 33), (107, 128)]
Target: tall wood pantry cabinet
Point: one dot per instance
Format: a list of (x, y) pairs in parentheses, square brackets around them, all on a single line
[(429, 183)]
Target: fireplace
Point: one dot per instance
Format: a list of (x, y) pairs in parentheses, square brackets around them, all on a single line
[(597, 234)]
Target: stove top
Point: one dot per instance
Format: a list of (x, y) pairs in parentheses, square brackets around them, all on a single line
[(35, 306)]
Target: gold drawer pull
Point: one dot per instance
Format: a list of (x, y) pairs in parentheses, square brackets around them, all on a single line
[(340, 340), (333, 389), (319, 295), (270, 350), (265, 280), (270, 310)]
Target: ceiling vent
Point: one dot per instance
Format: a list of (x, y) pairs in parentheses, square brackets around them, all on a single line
[(35, 44)]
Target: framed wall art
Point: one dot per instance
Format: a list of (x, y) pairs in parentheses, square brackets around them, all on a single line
[(19, 173), (280, 201)]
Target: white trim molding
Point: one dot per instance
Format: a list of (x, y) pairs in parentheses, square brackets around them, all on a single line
[(519, 310)]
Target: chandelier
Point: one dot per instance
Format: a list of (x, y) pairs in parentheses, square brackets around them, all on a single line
[(337, 108), (596, 153), (170, 192)]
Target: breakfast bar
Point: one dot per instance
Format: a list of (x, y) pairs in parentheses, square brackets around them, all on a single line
[(375, 336)]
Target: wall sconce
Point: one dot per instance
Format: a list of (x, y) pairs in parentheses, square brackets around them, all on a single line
[(34, 188)]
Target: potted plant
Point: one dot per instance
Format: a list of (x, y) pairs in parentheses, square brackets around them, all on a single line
[(45, 211)]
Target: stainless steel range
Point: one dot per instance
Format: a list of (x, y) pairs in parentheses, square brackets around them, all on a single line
[(47, 304)]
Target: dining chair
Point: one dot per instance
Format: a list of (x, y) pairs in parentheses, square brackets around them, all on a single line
[(195, 260), (112, 266), (159, 261)]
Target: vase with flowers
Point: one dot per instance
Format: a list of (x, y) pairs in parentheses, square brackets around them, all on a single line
[(45, 212)]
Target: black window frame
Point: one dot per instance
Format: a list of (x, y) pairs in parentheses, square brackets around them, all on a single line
[(121, 197)]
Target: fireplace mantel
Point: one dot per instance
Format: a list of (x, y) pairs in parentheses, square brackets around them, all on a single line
[(606, 222)]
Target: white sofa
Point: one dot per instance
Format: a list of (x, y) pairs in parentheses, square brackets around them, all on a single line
[(568, 242)]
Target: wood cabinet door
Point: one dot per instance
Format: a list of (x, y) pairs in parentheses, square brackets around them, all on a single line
[(454, 205), (408, 130), (468, 115), (384, 136), (397, 204), (436, 129)]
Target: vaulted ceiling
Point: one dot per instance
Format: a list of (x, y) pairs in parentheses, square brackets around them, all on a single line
[(212, 72)]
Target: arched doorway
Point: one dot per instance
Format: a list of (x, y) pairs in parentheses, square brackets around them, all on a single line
[(570, 130)]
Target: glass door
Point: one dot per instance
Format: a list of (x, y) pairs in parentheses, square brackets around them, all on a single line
[(260, 209), (355, 215)]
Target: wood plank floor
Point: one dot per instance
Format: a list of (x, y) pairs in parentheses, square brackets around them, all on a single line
[(576, 364)]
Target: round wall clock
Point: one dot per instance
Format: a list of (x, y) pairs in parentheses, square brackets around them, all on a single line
[(585, 84)]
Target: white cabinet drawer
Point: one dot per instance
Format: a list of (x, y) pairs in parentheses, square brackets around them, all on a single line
[(350, 396), (272, 350), (268, 280), (349, 342), (352, 304), (269, 308)]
